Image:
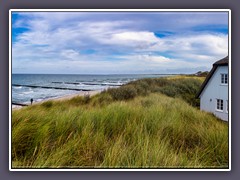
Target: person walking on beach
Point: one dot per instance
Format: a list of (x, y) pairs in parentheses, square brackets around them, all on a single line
[(31, 100)]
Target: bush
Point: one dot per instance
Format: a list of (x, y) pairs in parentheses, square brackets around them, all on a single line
[(142, 88), (145, 86), (123, 93), (80, 100), (169, 91), (101, 99), (183, 88)]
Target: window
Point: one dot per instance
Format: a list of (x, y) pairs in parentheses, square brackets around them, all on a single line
[(224, 78), (219, 104)]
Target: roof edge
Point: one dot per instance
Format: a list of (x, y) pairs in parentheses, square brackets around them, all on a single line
[(221, 62)]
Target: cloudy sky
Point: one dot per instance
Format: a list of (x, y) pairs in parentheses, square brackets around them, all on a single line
[(117, 42)]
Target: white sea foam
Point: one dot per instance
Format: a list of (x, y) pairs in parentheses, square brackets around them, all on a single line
[(28, 92), (17, 87)]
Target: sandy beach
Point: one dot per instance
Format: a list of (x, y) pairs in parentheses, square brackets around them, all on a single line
[(81, 93)]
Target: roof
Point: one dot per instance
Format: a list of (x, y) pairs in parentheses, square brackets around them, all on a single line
[(221, 62)]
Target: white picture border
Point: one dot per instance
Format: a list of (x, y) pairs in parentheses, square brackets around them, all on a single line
[(116, 10)]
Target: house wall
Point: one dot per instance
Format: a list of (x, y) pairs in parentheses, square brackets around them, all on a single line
[(215, 90)]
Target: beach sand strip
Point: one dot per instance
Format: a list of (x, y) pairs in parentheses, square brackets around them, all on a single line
[(62, 98)]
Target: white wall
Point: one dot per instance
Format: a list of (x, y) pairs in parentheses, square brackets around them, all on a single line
[(215, 90)]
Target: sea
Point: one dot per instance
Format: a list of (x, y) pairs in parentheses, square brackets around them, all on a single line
[(40, 87)]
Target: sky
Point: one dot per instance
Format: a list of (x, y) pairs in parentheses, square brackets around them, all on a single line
[(117, 42)]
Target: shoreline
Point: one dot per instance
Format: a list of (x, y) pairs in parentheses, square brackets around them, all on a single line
[(61, 98), (79, 93)]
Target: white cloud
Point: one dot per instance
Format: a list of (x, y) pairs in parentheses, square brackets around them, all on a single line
[(70, 54), (122, 44), (135, 36)]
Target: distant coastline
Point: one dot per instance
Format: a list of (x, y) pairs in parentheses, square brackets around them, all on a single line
[(75, 85), (46, 86)]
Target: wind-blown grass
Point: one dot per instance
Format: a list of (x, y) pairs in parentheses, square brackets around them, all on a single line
[(146, 131), (183, 87)]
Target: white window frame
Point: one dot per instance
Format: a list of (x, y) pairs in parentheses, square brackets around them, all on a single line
[(224, 79), (219, 105)]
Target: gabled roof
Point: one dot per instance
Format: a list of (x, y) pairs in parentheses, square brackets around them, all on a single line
[(221, 62)]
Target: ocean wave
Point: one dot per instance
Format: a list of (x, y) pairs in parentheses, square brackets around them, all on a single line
[(17, 87), (28, 92)]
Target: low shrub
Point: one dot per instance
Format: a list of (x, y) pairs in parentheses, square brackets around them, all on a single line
[(101, 99), (123, 93), (80, 100), (184, 88)]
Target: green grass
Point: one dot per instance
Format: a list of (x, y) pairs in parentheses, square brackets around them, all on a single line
[(183, 87), (147, 130)]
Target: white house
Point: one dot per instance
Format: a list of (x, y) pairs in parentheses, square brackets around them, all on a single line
[(214, 90)]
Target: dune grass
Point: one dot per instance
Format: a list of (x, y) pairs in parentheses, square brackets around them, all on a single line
[(149, 130), (183, 87)]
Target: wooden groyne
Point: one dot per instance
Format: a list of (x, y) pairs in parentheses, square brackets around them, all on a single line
[(49, 87), (19, 104), (71, 83), (75, 83), (102, 84), (58, 82), (66, 83)]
